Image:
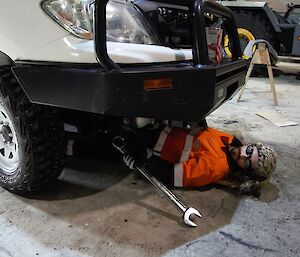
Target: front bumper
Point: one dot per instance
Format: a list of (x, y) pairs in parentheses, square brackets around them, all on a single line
[(196, 91)]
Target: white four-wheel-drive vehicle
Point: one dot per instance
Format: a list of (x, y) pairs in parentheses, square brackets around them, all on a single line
[(88, 62)]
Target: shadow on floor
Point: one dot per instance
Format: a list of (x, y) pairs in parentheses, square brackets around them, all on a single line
[(123, 208), (83, 177)]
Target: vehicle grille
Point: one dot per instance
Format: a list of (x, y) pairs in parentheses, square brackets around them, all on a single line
[(173, 16), (174, 27)]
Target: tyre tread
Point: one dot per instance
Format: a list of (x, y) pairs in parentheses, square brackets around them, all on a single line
[(42, 136)]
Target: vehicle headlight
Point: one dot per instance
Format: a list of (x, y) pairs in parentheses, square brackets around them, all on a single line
[(124, 22)]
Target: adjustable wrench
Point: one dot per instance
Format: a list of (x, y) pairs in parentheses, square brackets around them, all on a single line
[(119, 143)]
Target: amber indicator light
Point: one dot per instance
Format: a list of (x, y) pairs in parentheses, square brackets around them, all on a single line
[(158, 84)]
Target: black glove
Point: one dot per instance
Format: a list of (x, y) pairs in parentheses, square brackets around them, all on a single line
[(139, 142), (130, 161), (138, 158)]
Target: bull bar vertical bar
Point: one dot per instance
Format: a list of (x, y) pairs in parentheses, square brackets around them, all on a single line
[(200, 50)]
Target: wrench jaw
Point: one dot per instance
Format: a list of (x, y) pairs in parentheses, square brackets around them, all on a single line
[(187, 214)]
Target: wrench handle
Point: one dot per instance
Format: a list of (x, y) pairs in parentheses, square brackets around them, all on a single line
[(163, 189), (120, 144)]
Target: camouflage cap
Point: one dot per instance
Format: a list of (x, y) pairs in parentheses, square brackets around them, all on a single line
[(267, 159)]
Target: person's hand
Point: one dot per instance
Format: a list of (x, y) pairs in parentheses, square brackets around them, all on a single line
[(251, 187), (129, 161)]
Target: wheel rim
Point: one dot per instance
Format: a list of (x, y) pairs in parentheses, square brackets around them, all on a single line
[(9, 147), (245, 36)]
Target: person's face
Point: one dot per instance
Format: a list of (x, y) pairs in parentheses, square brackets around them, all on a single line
[(245, 156)]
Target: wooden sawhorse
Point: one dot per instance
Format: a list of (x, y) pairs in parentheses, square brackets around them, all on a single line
[(261, 56)]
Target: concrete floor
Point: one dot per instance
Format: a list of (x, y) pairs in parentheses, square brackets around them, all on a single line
[(98, 208)]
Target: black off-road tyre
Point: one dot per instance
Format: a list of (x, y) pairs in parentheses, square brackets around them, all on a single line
[(36, 138), (260, 27)]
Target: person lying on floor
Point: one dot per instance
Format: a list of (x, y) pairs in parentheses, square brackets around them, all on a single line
[(198, 157), (182, 157)]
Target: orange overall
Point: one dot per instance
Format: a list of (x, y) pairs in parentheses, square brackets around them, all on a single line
[(199, 155)]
